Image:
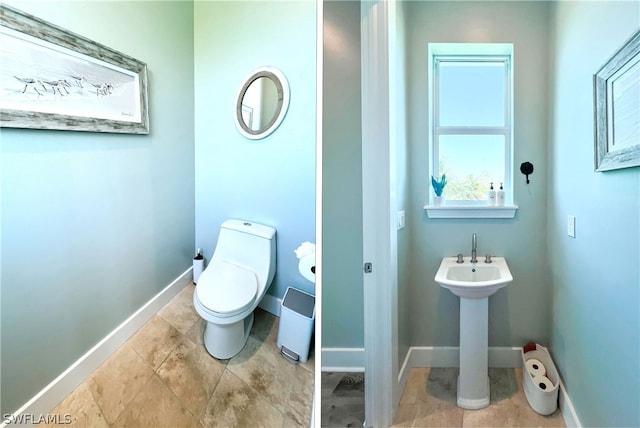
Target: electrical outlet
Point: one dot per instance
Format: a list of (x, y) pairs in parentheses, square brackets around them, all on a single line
[(400, 220), (571, 226)]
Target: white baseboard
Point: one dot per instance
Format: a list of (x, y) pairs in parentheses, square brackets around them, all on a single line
[(44, 401), (271, 304), (568, 411), (343, 359), (449, 356)]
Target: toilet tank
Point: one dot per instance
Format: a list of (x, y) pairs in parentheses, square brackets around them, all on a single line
[(249, 245)]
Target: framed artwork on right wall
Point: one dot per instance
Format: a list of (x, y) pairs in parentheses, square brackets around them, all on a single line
[(617, 108)]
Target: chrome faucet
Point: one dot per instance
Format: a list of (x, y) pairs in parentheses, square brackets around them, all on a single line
[(474, 248)]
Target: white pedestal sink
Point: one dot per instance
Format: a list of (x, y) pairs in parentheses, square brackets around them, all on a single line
[(473, 283)]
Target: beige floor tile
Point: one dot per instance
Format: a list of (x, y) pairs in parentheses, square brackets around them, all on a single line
[(501, 414), (179, 312), (236, 404), (405, 415), (155, 406), (189, 388), (192, 374), (196, 333), (291, 423), (415, 388), (265, 327), (429, 398), (118, 380), (503, 384), (262, 367), (155, 341), (509, 406), (80, 409), (310, 364), (442, 386), (440, 414), (299, 402), (510, 413)]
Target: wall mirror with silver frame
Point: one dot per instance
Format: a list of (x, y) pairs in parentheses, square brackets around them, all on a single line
[(262, 103)]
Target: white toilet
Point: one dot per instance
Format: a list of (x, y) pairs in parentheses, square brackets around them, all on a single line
[(231, 287)]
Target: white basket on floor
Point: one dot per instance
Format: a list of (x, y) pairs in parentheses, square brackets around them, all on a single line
[(541, 395)]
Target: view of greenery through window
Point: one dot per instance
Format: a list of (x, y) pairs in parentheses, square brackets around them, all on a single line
[(470, 187), (471, 163)]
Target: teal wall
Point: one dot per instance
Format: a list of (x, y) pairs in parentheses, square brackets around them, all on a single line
[(95, 225), (270, 181), (595, 276), (520, 312), (342, 298)]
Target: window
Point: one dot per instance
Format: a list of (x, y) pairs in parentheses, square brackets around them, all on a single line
[(471, 119)]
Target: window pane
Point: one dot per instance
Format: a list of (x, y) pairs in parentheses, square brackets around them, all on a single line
[(471, 163), (471, 93)]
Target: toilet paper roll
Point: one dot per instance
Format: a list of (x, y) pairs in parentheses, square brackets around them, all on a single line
[(305, 266), (543, 383), (305, 249), (535, 367)]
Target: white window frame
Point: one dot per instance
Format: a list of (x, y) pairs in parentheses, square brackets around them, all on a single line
[(467, 52)]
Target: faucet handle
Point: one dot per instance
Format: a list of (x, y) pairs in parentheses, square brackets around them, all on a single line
[(487, 258), (460, 259)]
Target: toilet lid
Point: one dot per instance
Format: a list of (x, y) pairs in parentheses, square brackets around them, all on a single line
[(226, 289)]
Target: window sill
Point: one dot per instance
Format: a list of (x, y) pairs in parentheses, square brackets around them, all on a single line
[(470, 211)]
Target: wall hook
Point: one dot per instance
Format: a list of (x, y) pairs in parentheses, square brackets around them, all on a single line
[(526, 168)]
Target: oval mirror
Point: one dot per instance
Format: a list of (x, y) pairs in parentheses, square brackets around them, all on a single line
[(262, 103)]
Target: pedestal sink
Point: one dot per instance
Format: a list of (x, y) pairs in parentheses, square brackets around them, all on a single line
[(473, 283)]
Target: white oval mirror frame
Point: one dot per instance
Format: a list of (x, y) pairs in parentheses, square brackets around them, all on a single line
[(263, 82)]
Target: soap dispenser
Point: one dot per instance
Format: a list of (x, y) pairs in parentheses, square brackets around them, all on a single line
[(501, 196), (491, 197)]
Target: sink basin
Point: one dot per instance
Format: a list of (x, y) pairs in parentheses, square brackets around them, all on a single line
[(473, 280)]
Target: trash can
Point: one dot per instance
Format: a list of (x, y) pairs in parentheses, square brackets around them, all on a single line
[(297, 315)]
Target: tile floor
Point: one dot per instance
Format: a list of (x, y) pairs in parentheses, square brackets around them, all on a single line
[(342, 399), (163, 377), (429, 400)]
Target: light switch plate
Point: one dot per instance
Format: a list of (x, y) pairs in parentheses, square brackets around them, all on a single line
[(571, 226), (400, 220)]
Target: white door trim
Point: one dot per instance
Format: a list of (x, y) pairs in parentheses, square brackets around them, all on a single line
[(379, 218)]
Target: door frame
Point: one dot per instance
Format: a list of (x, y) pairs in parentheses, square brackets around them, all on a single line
[(379, 219)]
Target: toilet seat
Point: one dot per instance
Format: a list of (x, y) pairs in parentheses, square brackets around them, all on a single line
[(226, 289)]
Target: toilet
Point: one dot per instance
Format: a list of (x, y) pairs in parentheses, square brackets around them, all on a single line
[(233, 284)]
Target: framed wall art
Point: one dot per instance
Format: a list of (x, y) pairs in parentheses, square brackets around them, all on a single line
[(52, 78), (617, 109)]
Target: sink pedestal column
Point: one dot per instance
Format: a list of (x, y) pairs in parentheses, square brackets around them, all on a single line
[(473, 381)]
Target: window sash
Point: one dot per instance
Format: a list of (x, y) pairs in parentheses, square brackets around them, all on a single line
[(506, 130)]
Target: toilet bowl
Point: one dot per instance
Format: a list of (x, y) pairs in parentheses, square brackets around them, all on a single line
[(233, 284)]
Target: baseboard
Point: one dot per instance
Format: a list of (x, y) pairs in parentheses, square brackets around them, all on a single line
[(343, 359), (43, 402), (271, 304), (566, 407), (449, 356)]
